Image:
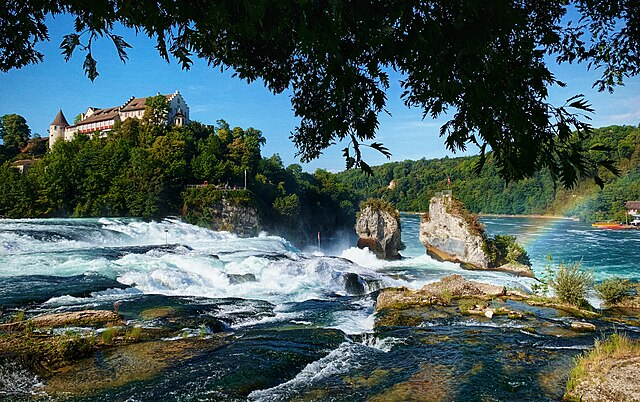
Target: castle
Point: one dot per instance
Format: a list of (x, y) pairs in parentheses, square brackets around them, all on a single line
[(101, 121)]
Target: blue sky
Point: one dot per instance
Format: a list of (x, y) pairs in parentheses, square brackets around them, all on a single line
[(36, 92)]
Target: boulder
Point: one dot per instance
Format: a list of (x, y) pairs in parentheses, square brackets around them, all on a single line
[(452, 286), (353, 284), (460, 287), (583, 326), (450, 236), (379, 230), (450, 233)]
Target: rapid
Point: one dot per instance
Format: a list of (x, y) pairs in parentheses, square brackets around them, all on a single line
[(301, 324)]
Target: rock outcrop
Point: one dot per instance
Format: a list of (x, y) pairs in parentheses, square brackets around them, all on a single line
[(226, 210), (449, 236), (452, 286), (450, 233), (67, 319), (378, 228)]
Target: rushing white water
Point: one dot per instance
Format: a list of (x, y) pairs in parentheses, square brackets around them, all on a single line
[(174, 258)]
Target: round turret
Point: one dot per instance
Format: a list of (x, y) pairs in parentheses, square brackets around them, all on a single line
[(56, 128)]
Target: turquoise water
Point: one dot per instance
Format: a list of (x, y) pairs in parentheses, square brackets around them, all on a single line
[(609, 253), (302, 327)]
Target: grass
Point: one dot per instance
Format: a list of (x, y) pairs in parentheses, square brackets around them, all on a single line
[(133, 335), (108, 335), (602, 357)]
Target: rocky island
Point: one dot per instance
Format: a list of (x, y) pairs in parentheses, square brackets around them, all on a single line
[(451, 233), (378, 228)]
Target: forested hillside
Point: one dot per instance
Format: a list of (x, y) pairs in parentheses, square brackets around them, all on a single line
[(142, 169), (410, 184)]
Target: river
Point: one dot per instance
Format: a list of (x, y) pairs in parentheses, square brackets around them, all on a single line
[(297, 326)]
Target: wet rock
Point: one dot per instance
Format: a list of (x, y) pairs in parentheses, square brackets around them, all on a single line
[(452, 286), (379, 230), (488, 313), (583, 326), (460, 287), (68, 319), (353, 284), (223, 210), (235, 279)]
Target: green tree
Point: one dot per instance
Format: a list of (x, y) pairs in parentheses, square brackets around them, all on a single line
[(14, 132), (156, 109), (335, 58)]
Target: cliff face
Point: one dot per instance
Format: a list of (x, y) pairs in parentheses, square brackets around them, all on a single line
[(449, 236), (233, 211), (379, 230)]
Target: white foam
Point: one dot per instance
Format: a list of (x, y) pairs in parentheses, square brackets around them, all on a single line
[(363, 257)]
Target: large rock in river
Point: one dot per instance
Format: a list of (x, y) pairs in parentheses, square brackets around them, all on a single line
[(450, 233), (378, 228)]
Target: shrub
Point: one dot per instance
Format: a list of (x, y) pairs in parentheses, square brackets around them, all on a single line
[(504, 249), (72, 346), (614, 290), (445, 297), (570, 283), (379, 205)]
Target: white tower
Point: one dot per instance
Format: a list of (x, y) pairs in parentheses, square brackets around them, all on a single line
[(56, 128)]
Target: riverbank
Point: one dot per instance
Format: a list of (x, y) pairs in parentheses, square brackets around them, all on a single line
[(534, 216)]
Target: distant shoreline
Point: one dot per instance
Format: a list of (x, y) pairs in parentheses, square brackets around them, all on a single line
[(528, 216), (536, 216)]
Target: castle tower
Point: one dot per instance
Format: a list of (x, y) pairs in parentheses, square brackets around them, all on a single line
[(56, 128)]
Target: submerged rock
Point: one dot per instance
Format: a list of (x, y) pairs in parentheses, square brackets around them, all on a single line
[(235, 279), (378, 228)]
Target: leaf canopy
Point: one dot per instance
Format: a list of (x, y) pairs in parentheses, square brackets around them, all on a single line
[(483, 62)]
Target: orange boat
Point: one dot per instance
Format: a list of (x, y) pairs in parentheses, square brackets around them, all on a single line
[(609, 225)]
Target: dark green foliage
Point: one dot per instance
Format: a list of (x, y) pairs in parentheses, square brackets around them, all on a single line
[(142, 169), (614, 290), (417, 181), (335, 58), (14, 132), (504, 249), (380, 205)]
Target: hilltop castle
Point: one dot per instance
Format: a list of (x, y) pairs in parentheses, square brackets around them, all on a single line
[(96, 120)]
